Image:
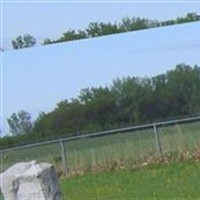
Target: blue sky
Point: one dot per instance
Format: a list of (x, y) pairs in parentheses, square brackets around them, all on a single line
[(35, 79)]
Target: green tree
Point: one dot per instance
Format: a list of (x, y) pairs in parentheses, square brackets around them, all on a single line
[(95, 29), (47, 41), (73, 35), (183, 89), (68, 36), (20, 123), (130, 96), (190, 17), (99, 106), (131, 24), (98, 29), (128, 100), (24, 41)]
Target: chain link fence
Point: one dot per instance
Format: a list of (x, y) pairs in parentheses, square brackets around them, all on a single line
[(130, 146)]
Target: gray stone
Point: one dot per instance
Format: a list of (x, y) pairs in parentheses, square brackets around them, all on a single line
[(30, 181)]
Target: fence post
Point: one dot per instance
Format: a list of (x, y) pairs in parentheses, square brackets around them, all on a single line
[(63, 155), (158, 144)]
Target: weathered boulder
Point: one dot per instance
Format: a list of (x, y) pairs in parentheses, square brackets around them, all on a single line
[(30, 181)]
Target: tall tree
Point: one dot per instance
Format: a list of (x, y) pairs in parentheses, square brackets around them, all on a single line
[(23, 41), (20, 123)]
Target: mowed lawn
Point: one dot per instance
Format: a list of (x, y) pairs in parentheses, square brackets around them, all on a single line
[(162, 181)]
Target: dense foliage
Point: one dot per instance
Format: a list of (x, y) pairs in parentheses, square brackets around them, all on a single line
[(24, 41), (127, 24), (20, 123), (128, 101)]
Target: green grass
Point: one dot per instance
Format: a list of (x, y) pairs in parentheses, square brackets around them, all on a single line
[(174, 181), (163, 181), (130, 148), (180, 180)]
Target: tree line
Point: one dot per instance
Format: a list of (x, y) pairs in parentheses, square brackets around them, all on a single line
[(95, 29), (127, 101)]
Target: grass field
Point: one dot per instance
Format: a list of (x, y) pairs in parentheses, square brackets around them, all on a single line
[(164, 181), (174, 181), (108, 165), (131, 149)]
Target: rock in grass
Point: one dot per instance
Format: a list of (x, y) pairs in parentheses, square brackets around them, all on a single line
[(30, 181)]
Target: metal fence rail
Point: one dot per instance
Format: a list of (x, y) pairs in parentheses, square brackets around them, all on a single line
[(62, 145)]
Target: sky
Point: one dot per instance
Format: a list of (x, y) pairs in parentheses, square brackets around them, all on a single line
[(50, 20), (38, 78)]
